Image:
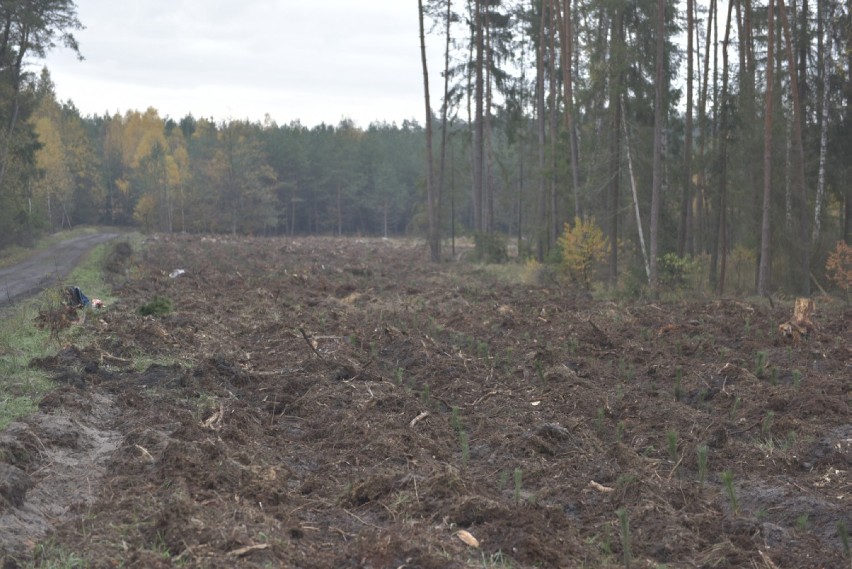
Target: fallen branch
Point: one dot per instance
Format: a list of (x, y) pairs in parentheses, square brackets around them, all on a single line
[(483, 398), (361, 371), (767, 560), (243, 551), (215, 420), (819, 286), (600, 487), (310, 344), (145, 453), (418, 418)]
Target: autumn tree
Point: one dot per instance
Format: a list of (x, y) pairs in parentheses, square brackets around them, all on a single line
[(30, 28)]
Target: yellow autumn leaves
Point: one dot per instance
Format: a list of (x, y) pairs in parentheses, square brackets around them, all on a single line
[(582, 246)]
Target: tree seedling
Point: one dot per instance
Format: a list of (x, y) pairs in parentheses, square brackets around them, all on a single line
[(465, 447), (624, 524), (599, 419), (671, 440), (424, 395), (539, 370), (760, 364), (736, 406), (455, 419), (797, 378), (503, 480), (728, 481), (702, 451), (843, 534), (678, 389), (766, 424), (518, 479)]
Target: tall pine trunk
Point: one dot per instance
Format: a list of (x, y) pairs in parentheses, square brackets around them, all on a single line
[(804, 242), (478, 122), (616, 56), (723, 157), (444, 112), (698, 222), (431, 202), (567, 39), (659, 119), (765, 245), (686, 190), (541, 232), (553, 218)]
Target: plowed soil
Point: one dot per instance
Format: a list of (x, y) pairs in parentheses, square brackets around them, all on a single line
[(343, 403)]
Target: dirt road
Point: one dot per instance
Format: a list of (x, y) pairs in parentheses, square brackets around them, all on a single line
[(45, 267)]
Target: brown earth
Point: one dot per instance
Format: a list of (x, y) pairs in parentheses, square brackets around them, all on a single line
[(342, 403)]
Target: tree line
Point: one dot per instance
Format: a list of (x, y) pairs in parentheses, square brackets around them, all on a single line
[(687, 131), (693, 129), (198, 175)]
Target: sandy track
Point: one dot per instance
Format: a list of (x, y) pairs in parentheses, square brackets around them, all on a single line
[(49, 266)]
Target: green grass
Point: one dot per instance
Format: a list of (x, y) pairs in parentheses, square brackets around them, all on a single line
[(21, 340), (52, 556), (20, 386)]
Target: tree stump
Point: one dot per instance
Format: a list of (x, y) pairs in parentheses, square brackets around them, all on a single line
[(800, 325)]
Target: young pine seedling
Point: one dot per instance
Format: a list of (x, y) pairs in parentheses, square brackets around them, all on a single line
[(671, 441), (518, 480), (455, 421), (678, 389), (766, 425), (702, 451), (624, 524), (797, 379), (843, 534), (736, 406), (619, 431), (465, 447), (760, 364), (599, 419), (728, 481)]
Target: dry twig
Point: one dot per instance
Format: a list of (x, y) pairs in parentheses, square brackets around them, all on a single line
[(418, 418)]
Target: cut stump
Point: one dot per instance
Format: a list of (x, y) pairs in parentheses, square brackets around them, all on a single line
[(800, 325)]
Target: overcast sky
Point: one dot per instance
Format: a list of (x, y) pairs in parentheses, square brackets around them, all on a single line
[(309, 60)]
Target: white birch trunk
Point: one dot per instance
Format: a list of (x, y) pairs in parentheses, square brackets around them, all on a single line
[(823, 135), (635, 198)]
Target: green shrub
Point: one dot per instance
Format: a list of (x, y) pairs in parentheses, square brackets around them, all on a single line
[(158, 306), (491, 248), (675, 272)]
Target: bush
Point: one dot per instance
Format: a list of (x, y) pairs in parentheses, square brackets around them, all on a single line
[(839, 266), (742, 262), (491, 248), (158, 306), (582, 246), (674, 272)]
